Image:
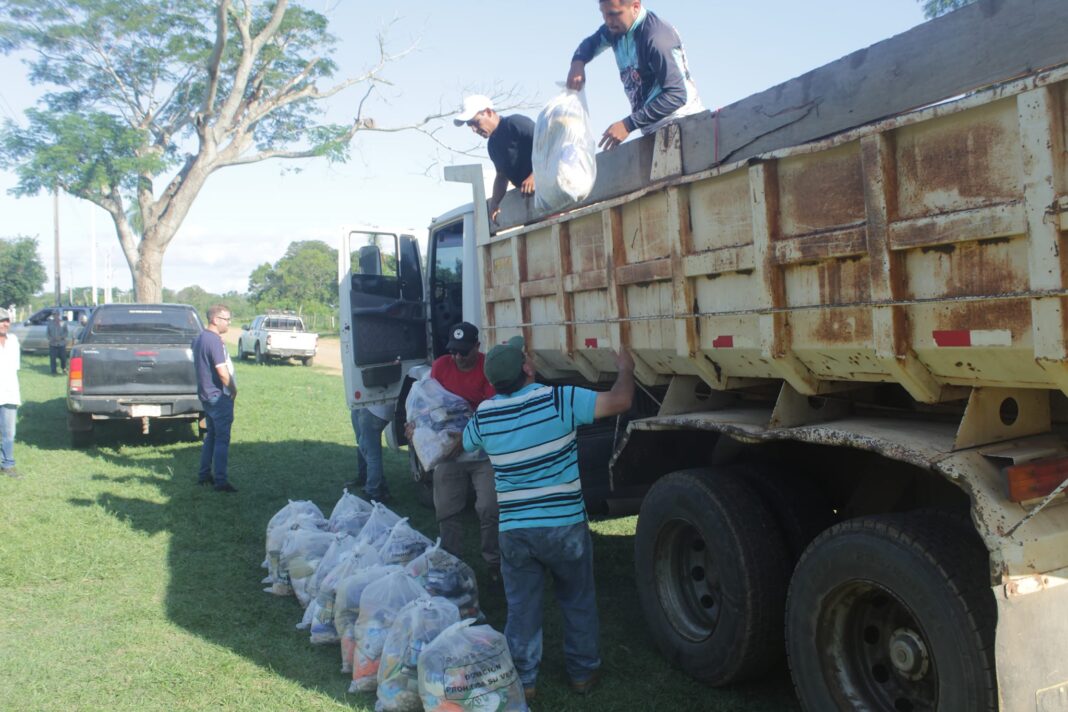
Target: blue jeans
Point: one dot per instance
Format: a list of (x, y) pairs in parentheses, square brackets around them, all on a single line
[(219, 413), (57, 353), (567, 553), (369, 429), (7, 436)]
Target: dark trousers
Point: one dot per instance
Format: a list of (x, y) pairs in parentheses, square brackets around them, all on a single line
[(57, 353), (215, 453)]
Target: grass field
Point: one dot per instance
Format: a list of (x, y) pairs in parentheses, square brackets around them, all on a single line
[(124, 586)]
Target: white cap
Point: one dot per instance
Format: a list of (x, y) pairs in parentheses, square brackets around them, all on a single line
[(472, 105)]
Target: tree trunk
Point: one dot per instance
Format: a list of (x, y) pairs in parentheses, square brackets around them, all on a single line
[(148, 275)]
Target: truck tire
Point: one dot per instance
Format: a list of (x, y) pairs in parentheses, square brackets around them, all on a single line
[(241, 353), (893, 612), (81, 430), (308, 361), (260, 357), (711, 575)]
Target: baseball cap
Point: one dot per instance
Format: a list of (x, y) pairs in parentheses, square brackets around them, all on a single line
[(472, 105), (4, 316), (504, 363), (462, 337)]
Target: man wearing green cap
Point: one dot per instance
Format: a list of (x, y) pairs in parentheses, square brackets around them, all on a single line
[(528, 431)]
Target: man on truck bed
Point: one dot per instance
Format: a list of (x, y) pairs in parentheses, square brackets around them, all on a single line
[(217, 390), (510, 140), (528, 431), (652, 66)]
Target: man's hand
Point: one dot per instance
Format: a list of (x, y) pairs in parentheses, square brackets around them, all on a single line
[(614, 135), (455, 446), (494, 209), (409, 430), (624, 361), (527, 186), (576, 75)]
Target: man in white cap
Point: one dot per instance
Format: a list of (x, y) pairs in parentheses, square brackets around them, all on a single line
[(9, 394), (509, 141)]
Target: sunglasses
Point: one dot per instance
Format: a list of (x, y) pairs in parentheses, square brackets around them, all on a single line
[(459, 352)]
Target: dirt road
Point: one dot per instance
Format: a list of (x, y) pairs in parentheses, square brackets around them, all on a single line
[(327, 358)]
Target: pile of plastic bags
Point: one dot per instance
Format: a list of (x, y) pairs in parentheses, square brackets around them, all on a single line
[(402, 610), (439, 417)]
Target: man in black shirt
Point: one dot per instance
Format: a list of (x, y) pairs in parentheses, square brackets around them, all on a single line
[(510, 140)]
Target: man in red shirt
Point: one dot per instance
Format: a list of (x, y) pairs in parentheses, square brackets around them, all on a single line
[(460, 372)]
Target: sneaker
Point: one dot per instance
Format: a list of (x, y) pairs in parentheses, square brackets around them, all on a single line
[(583, 687), (12, 472), (225, 487)]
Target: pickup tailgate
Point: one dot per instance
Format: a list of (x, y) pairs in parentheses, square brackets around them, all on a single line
[(131, 369), (292, 340)]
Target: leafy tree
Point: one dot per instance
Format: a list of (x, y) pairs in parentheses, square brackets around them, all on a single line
[(152, 97), (23, 273), (304, 279), (934, 8)]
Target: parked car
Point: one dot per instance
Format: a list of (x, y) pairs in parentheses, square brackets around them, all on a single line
[(33, 333), (133, 361), (279, 335)]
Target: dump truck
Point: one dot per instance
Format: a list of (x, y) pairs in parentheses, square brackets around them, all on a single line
[(846, 302)]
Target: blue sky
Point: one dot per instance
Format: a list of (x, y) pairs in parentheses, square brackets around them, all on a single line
[(248, 215)]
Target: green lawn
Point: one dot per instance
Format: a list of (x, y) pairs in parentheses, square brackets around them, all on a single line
[(124, 586)]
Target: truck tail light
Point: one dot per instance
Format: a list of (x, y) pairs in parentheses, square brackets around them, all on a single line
[(74, 378), (1031, 480)]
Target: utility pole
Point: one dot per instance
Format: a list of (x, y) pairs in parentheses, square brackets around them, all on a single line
[(55, 221)]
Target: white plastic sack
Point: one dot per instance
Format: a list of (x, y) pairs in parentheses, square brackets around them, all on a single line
[(443, 574), (416, 625), (323, 630), (347, 505), (342, 544), (347, 607), (379, 605), (564, 155), (300, 514), (378, 526), (403, 544), (300, 553), (468, 668), (439, 417)]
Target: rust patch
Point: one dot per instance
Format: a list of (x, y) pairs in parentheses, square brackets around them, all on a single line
[(843, 326), (644, 272), (975, 269), (825, 190), (1014, 315)]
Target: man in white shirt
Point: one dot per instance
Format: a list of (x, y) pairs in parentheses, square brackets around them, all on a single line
[(9, 394)]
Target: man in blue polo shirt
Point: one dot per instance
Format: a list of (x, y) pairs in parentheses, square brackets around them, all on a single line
[(217, 391), (528, 431)]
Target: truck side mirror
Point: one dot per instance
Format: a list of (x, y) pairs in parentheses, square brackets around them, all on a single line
[(370, 259)]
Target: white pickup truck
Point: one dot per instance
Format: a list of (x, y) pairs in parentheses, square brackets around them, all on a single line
[(280, 336)]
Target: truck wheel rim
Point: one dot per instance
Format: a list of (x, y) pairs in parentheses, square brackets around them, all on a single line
[(876, 652), (687, 582)]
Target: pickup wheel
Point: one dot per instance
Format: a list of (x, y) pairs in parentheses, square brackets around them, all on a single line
[(893, 612), (241, 353), (711, 575), (308, 361), (260, 357), (81, 430)]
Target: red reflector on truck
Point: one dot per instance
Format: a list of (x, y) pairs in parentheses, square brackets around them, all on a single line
[(1032, 480)]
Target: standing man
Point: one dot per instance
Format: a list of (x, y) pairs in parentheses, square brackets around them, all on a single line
[(652, 66), (57, 341), (217, 391), (368, 424), (528, 431), (510, 140), (460, 372), (9, 394)]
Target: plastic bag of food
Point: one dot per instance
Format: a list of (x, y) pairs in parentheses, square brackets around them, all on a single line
[(403, 544), (347, 505), (418, 623), (323, 630), (295, 515), (439, 417), (342, 544), (347, 607), (379, 605), (564, 152), (443, 574), (378, 526), (468, 667), (300, 553), (351, 523), (293, 509)]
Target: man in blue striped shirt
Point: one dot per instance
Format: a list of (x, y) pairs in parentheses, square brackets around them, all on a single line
[(528, 431)]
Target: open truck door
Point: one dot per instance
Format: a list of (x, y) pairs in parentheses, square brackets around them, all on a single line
[(383, 318)]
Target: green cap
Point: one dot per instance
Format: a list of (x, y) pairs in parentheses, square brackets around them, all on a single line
[(504, 363)]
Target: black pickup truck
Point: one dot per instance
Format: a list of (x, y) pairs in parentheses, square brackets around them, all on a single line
[(134, 361)]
